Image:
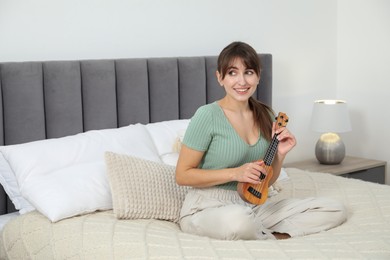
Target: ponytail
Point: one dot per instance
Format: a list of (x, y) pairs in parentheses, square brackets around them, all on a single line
[(263, 116)]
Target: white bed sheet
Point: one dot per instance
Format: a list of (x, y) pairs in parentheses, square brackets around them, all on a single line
[(365, 235)]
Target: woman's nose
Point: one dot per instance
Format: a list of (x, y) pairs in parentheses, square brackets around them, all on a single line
[(241, 80)]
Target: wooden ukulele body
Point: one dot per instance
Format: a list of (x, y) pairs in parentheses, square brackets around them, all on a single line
[(251, 193)]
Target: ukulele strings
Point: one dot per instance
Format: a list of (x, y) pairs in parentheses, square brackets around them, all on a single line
[(270, 154), (268, 158)]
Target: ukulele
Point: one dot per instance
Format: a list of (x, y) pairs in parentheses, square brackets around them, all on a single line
[(258, 193)]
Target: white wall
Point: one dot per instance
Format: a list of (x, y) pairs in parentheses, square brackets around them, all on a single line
[(306, 38), (364, 75)]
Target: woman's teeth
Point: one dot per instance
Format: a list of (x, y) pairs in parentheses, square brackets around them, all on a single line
[(242, 90)]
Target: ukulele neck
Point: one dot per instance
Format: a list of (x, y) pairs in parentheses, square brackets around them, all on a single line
[(271, 151)]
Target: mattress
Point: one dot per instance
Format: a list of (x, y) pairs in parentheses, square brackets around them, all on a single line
[(366, 233)]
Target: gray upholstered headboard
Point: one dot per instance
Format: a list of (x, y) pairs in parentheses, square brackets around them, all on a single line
[(51, 99)]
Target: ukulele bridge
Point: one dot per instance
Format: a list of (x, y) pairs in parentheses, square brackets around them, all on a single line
[(254, 192)]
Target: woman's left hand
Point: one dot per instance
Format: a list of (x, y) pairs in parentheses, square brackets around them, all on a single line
[(286, 139)]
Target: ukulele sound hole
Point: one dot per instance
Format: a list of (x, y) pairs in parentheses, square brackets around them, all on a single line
[(254, 192), (262, 176)]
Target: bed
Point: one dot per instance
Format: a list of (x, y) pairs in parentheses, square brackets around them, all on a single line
[(87, 164)]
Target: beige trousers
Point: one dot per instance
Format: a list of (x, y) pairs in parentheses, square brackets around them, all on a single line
[(222, 214)]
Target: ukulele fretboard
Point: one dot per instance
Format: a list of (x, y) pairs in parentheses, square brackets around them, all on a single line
[(271, 151)]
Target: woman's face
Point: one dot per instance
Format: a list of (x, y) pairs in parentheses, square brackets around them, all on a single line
[(239, 82)]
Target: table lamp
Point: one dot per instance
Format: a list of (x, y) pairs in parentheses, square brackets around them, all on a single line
[(330, 117)]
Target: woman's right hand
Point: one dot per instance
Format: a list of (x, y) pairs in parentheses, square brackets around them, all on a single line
[(250, 172)]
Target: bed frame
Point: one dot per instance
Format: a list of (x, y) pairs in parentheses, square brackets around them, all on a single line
[(50, 99)]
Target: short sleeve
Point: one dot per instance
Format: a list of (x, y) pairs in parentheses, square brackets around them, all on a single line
[(199, 132)]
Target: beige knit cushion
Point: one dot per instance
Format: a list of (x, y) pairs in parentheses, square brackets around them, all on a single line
[(143, 189)]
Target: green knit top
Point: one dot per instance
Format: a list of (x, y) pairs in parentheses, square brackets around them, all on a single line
[(210, 131)]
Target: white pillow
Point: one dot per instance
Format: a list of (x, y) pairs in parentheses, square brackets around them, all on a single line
[(70, 191), (170, 158), (165, 135), (35, 158), (33, 163), (11, 187)]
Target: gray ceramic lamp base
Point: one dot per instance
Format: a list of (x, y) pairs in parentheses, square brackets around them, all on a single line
[(330, 149)]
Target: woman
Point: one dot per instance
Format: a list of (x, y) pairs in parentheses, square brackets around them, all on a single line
[(222, 146)]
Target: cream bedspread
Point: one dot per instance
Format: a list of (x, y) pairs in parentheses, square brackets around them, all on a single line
[(366, 234)]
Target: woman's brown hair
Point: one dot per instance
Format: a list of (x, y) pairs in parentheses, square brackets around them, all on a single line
[(262, 113)]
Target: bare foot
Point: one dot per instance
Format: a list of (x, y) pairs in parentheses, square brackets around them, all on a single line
[(281, 235)]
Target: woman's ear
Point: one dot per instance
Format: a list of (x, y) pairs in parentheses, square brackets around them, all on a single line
[(219, 78)]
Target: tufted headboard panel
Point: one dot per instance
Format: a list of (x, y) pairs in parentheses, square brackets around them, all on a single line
[(50, 99)]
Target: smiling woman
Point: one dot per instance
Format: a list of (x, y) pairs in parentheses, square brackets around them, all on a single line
[(222, 147)]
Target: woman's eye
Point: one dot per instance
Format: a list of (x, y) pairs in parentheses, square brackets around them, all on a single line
[(250, 72), (232, 73)]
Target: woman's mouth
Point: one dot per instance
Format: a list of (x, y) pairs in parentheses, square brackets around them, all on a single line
[(241, 90)]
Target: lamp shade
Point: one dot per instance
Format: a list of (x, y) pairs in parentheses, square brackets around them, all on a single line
[(330, 116)]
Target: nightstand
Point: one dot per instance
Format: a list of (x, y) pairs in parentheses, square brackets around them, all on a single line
[(350, 167)]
